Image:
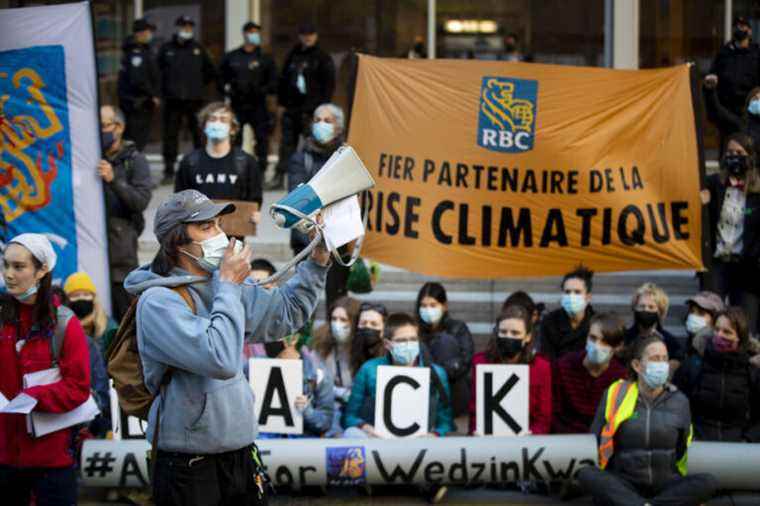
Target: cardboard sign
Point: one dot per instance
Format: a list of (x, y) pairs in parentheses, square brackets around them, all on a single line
[(501, 396), (239, 223), (402, 399), (123, 426), (276, 383)]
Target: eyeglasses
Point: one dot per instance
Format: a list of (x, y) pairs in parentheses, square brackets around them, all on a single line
[(369, 306)]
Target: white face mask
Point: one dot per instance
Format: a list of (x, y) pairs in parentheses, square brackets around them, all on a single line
[(213, 251), (695, 323), (185, 34), (340, 331), (431, 315)]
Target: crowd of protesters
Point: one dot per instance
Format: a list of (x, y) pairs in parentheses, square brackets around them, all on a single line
[(589, 371)]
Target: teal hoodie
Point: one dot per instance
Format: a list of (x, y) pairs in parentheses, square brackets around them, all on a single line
[(361, 404), (208, 405)]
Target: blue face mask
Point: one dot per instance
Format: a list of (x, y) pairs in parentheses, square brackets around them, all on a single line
[(253, 38), (754, 107), (217, 131), (656, 374), (573, 303), (405, 353), (28, 294), (323, 132), (598, 354), (431, 315)]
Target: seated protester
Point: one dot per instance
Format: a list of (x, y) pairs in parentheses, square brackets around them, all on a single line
[(221, 171), (317, 402), (261, 268), (650, 305), (82, 298), (522, 298), (449, 341), (643, 448), (565, 329), (403, 348), (700, 319), (581, 377), (332, 345), (724, 390), (368, 340), (512, 343)]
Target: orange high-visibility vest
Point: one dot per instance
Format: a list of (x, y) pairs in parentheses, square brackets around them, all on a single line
[(621, 402)]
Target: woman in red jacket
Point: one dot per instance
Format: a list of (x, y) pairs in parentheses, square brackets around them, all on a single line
[(43, 465), (512, 343)]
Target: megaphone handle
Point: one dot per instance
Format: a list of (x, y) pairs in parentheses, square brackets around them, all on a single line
[(293, 262), (358, 246)]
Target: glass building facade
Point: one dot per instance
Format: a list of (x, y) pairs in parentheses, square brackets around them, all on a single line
[(566, 32)]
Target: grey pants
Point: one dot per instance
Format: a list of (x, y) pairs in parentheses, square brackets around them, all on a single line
[(610, 489)]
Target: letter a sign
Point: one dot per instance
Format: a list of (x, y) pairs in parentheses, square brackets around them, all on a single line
[(276, 383), (501, 399)]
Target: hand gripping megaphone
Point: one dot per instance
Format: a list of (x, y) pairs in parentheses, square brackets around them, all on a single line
[(342, 176)]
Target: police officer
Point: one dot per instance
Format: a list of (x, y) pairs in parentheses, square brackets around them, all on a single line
[(247, 76), (307, 80), (139, 83), (186, 69)]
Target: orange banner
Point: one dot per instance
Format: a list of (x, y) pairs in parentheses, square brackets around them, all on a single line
[(494, 169)]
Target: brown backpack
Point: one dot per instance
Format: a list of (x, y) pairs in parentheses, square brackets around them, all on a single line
[(125, 366)]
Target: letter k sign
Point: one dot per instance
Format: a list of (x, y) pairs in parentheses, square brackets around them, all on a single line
[(493, 403)]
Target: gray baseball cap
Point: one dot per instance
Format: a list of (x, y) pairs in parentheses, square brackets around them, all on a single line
[(708, 301), (187, 206)]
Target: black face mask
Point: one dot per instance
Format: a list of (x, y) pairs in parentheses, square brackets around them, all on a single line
[(740, 34), (646, 319), (274, 348), (509, 348), (370, 337), (736, 165), (106, 140), (82, 308)]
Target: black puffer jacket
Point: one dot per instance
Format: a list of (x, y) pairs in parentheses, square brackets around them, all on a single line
[(186, 69), (738, 71), (724, 390), (650, 443), (318, 71), (452, 348), (139, 78)]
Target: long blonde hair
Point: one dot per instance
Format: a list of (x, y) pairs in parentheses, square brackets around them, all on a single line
[(96, 323)]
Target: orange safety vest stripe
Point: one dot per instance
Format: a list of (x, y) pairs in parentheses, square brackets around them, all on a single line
[(615, 397)]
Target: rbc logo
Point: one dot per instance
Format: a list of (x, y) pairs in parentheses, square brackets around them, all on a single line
[(507, 115)]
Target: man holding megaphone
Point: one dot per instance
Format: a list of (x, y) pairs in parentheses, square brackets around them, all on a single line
[(203, 415)]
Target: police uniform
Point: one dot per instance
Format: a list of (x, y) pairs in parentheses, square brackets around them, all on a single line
[(139, 82), (307, 81), (186, 69), (246, 78)]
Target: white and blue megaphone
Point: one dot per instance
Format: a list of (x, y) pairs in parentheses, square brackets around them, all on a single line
[(342, 176)]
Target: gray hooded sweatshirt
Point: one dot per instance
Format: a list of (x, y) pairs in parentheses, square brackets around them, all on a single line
[(207, 407)]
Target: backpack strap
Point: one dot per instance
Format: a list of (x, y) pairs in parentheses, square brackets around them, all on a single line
[(62, 317)]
